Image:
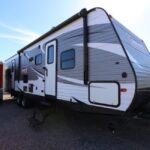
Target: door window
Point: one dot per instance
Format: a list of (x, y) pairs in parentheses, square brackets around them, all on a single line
[(50, 54)]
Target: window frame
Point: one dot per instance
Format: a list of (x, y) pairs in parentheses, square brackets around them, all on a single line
[(48, 55), (13, 65), (39, 55), (73, 58)]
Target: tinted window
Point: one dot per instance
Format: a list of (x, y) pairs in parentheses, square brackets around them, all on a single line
[(38, 59), (12, 67), (68, 59), (50, 54), (25, 78)]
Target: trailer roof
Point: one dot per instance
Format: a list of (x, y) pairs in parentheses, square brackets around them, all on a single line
[(11, 57)]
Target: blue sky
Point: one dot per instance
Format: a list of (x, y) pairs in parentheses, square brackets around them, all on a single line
[(22, 21)]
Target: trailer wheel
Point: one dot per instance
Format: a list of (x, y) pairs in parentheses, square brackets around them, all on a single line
[(24, 103), (18, 100)]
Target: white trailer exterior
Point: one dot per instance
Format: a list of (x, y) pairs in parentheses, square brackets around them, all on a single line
[(90, 60)]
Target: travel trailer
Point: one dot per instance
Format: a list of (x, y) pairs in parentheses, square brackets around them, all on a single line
[(90, 60)]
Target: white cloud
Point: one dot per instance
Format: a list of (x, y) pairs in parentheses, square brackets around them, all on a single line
[(20, 38), (24, 35)]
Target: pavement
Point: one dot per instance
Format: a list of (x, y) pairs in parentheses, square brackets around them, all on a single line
[(68, 130)]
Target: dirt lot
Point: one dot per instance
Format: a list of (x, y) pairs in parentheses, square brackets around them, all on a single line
[(66, 130)]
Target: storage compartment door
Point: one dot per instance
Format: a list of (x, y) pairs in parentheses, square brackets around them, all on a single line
[(104, 93)]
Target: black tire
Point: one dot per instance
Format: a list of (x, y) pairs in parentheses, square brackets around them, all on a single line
[(19, 100), (1, 101), (24, 103)]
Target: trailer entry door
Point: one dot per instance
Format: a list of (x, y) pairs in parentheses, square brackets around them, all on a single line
[(50, 69)]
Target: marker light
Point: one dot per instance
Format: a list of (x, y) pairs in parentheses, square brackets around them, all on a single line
[(123, 90)]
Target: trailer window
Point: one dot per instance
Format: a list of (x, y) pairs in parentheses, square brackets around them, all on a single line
[(25, 78), (50, 54), (68, 59), (38, 59), (12, 67)]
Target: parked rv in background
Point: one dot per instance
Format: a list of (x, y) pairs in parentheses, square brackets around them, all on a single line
[(90, 61)]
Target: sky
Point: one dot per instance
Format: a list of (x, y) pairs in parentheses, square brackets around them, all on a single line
[(22, 21)]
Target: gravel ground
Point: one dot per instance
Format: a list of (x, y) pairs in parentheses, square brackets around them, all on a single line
[(68, 130)]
